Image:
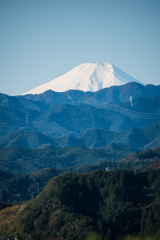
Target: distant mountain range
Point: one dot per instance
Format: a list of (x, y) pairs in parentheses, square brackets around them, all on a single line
[(86, 77), (45, 120), (73, 120), (147, 137), (114, 94)]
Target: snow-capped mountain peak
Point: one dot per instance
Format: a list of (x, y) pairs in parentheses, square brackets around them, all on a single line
[(86, 77)]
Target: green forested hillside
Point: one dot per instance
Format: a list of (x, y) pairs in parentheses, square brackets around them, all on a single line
[(142, 158), (17, 160), (106, 205), (155, 165), (16, 189), (19, 188)]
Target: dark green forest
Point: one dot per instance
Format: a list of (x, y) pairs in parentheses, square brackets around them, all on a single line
[(17, 160), (18, 188), (105, 205)]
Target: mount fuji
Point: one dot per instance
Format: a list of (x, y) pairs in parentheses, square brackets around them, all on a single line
[(86, 77)]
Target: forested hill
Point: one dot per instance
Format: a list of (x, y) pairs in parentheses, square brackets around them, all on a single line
[(99, 205), (16, 189), (21, 187), (17, 160)]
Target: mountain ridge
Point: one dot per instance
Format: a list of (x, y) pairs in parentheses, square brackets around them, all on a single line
[(137, 138), (114, 94), (74, 119)]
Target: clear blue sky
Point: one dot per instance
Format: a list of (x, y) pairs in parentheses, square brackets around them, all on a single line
[(43, 39)]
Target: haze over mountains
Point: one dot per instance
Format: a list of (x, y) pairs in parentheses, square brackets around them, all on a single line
[(86, 77)]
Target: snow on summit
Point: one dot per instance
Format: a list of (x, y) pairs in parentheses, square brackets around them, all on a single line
[(86, 77)]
